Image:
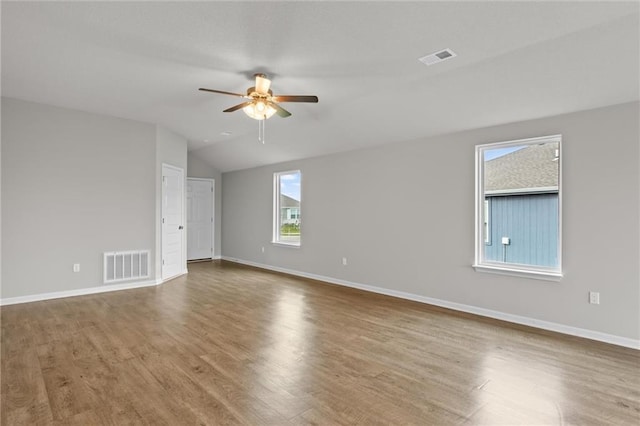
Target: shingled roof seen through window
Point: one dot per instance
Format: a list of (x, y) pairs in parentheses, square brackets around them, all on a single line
[(533, 168)]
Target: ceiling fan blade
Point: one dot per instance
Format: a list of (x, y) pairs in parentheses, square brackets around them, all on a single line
[(295, 98), (279, 110), (237, 107), (223, 92), (262, 84)]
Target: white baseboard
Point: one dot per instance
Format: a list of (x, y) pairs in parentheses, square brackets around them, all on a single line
[(179, 274), (517, 319), (85, 291), (206, 259), (77, 292)]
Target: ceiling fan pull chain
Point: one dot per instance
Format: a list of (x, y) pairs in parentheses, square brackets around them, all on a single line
[(261, 130)]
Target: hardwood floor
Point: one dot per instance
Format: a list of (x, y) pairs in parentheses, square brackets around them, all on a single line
[(229, 344)]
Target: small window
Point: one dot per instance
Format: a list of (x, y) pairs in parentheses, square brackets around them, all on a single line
[(518, 226), (287, 207)]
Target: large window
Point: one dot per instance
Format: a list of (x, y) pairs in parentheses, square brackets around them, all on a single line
[(287, 207), (518, 226)]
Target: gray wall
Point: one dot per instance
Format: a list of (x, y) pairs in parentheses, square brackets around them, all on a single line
[(198, 168), (403, 215), (74, 185)]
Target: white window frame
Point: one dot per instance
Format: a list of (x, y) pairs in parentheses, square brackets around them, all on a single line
[(486, 222), (528, 271), (277, 210)]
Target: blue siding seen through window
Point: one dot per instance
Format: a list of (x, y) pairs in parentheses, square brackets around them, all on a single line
[(530, 222)]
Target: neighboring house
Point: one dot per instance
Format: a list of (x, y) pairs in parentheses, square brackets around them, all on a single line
[(521, 202), (289, 210)]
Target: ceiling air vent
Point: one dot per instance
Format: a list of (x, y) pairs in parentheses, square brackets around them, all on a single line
[(440, 56)]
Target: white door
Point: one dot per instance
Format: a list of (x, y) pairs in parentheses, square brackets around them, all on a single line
[(199, 218), (173, 262)]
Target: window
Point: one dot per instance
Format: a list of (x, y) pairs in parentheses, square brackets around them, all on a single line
[(294, 213), (287, 207), (518, 205)]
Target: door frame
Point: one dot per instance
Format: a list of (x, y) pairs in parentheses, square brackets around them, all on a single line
[(213, 212), (183, 260)]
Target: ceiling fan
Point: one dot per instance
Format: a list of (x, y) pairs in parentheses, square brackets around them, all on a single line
[(261, 104)]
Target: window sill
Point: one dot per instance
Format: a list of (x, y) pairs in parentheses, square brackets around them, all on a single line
[(285, 244), (517, 272)]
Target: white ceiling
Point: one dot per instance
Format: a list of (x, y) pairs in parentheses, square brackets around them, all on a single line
[(146, 60)]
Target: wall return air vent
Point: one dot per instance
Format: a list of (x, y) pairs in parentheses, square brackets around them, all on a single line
[(440, 56), (125, 265)]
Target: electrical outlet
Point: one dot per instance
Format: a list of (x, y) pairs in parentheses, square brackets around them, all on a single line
[(263, 249), (76, 267), (344, 261), (594, 297)]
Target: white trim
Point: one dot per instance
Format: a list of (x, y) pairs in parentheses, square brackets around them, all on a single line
[(284, 244), (86, 291), (518, 142), (77, 292), (179, 274), (516, 272), (517, 319)]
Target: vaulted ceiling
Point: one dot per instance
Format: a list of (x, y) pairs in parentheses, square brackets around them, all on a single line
[(146, 60)]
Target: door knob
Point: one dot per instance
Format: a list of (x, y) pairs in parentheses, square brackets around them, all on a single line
[(180, 227)]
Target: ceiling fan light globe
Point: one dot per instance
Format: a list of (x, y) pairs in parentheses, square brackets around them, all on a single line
[(259, 110)]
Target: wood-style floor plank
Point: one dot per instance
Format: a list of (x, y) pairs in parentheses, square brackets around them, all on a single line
[(229, 344)]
